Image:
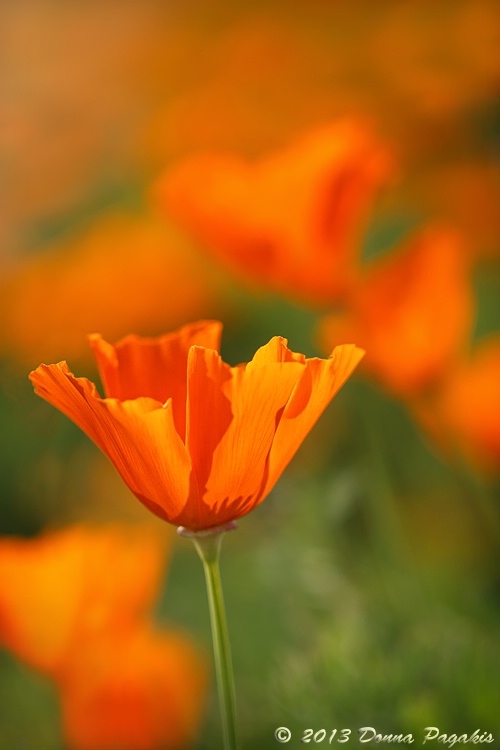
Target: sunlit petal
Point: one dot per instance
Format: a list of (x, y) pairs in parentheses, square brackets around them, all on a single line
[(318, 384), (138, 436)]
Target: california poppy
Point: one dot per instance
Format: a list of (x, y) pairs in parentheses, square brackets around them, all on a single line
[(76, 604), (465, 413), (200, 443), (58, 590), (416, 301), (142, 689), (291, 221), (74, 286)]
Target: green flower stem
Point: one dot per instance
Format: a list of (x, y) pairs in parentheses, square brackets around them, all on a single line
[(208, 545)]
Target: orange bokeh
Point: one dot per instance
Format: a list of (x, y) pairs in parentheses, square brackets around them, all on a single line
[(124, 273), (142, 690), (76, 604), (464, 416), (466, 194), (293, 221), (412, 311), (59, 590), (101, 93)]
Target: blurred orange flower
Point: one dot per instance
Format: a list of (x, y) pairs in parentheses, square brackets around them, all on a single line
[(124, 273), (417, 302), (466, 194), (465, 414), (292, 221), (59, 590), (142, 690), (200, 443), (76, 604)]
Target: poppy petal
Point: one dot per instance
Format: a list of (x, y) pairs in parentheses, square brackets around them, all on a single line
[(292, 220), (138, 690), (154, 367), (276, 351), (395, 306), (58, 590), (138, 436), (239, 408), (318, 384)]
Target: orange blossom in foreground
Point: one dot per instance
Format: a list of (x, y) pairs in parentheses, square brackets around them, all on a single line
[(200, 443)]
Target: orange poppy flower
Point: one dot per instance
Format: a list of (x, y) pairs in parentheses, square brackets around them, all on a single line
[(141, 690), (417, 302), (200, 443), (292, 221), (59, 590), (465, 414), (74, 286), (75, 604)]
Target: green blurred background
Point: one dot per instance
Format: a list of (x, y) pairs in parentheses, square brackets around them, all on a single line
[(365, 590)]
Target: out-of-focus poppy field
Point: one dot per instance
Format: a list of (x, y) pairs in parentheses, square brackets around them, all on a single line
[(326, 172)]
